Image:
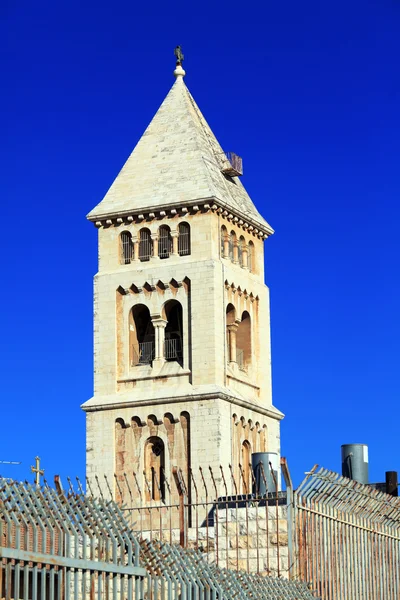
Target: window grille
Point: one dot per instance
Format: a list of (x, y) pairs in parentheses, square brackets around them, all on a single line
[(184, 239), (145, 245), (164, 242), (126, 248), (173, 349), (143, 354)]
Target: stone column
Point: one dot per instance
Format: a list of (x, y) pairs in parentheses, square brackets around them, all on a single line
[(175, 237), (226, 246), (232, 328), (154, 237), (159, 325), (135, 241), (245, 256)]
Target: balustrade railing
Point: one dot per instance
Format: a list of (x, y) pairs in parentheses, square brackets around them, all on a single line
[(173, 349), (143, 354)]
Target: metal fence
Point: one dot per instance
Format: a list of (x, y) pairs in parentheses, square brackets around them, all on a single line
[(347, 538), (57, 546), (237, 518)]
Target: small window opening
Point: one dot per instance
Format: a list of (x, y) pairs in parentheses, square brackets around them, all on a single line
[(164, 241), (154, 468), (250, 256), (184, 239), (245, 459), (141, 336), (145, 245), (126, 248), (243, 342), (173, 350), (232, 240)]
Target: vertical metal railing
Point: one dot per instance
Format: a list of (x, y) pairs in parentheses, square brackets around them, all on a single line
[(347, 538), (145, 245), (184, 239), (173, 349), (164, 241), (126, 248), (142, 354)]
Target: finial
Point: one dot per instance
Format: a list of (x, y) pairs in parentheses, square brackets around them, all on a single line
[(179, 71)]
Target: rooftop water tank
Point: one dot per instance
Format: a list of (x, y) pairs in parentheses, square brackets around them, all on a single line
[(355, 462)]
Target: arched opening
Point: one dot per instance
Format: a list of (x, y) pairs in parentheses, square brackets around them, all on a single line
[(126, 248), (224, 240), (231, 327), (245, 459), (154, 468), (250, 256), (145, 245), (164, 241), (232, 243), (141, 336), (242, 244), (184, 239), (173, 345), (243, 342)]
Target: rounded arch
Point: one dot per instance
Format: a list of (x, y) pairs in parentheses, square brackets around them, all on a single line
[(232, 244), (125, 248), (164, 241), (230, 332), (173, 346), (251, 257), (243, 342), (154, 468), (246, 469), (224, 237), (145, 244), (184, 239), (241, 246), (141, 336), (230, 314)]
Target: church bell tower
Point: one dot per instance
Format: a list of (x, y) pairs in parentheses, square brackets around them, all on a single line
[(182, 360)]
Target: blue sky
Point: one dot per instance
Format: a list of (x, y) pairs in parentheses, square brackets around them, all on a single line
[(309, 96)]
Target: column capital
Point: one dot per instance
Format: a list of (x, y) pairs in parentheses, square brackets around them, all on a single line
[(158, 321)]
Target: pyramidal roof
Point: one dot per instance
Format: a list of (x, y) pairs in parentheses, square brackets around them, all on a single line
[(177, 162)]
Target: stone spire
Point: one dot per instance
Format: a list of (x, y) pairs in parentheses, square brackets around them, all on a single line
[(177, 162)]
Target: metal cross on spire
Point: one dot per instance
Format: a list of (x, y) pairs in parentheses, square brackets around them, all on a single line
[(37, 470)]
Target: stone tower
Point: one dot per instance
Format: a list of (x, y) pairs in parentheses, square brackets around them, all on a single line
[(182, 332)]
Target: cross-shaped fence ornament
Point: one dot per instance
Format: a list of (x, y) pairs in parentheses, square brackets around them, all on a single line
[(37, 470)]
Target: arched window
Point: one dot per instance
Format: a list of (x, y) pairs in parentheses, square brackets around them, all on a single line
[(126, 248), (250, 256), (245, 461), (224, 236), (173, 345), (231, 332), (184, 239), (232, 241), (243, 342), (242, 244), (145, 245), (141, 336), (164, 241), (154, 465)]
